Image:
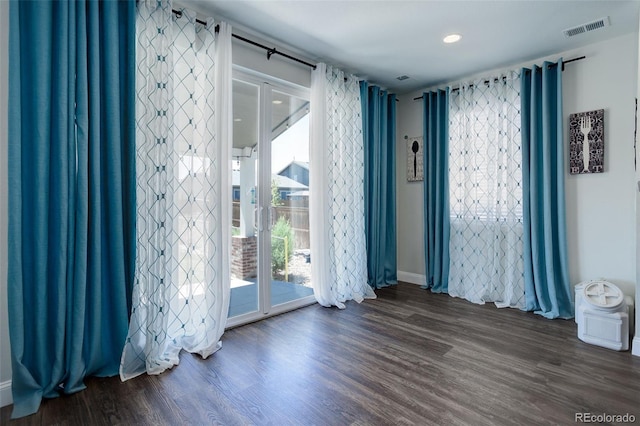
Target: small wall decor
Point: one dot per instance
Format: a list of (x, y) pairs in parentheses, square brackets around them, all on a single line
[(586, 142), (415, 156)]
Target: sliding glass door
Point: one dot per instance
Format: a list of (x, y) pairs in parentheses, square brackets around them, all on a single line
[(290, 266), (244, 232), (270, 259)]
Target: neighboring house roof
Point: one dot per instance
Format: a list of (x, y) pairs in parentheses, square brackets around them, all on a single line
[(281, 181), (302, 164)]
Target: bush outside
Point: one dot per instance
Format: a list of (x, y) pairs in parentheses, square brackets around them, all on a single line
[(280, 230)]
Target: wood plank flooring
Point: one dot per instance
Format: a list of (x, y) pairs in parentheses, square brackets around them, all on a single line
[(407, 358)]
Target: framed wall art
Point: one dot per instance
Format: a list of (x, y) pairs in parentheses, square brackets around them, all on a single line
[(586, 142), (415, 171)]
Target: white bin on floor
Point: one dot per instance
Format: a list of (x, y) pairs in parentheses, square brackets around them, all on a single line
[(602, 314)]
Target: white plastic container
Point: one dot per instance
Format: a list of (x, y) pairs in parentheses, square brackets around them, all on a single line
[(602, 314)]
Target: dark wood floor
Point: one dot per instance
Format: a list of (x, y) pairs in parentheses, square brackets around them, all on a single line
[(409, 357)]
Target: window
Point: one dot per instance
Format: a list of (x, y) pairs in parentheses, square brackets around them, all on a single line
[(485, 193), (485, 175), (284, 194)]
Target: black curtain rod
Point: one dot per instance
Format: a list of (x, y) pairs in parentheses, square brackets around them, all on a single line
[(270, 50), (178, 14), (569, 61), (504, 78), (273, 51)]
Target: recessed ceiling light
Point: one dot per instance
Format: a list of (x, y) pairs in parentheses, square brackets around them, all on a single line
[(452, 38), (237, 120), (276, 102)]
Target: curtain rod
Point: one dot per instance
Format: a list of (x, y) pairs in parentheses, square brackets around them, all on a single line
[(569, 61), (503, 78), (270, 50)]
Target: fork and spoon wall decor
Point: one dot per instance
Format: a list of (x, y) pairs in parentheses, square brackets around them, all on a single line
[(586, 142)]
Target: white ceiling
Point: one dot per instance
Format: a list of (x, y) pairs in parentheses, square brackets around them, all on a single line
[(381, 40)]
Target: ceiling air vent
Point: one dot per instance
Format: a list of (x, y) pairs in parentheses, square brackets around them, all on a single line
[(584, 28)]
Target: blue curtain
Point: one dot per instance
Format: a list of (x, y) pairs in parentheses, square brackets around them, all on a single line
[(71, 193), (547, 290), (379, 130), (436, 189)]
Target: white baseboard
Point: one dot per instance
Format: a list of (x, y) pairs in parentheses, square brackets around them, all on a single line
[(635, 345), (410, 277), (6, 398)]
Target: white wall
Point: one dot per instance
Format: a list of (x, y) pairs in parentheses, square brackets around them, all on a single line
[(5, 358), (409, 195), (600, 207)]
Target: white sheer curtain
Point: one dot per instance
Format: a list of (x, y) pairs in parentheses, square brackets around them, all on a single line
[(338, 250), (485, 181), (181, 289)]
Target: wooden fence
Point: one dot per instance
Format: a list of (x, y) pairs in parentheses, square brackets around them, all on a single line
[(298, 217)]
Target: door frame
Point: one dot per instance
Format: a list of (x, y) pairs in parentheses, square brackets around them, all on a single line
[(267, 84)]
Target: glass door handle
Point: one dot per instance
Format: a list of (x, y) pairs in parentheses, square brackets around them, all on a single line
[(260, 227), (272, 213)]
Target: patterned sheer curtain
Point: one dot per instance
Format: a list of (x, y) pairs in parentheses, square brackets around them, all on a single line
[(181, 288), (338, 247), (485, 187)]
